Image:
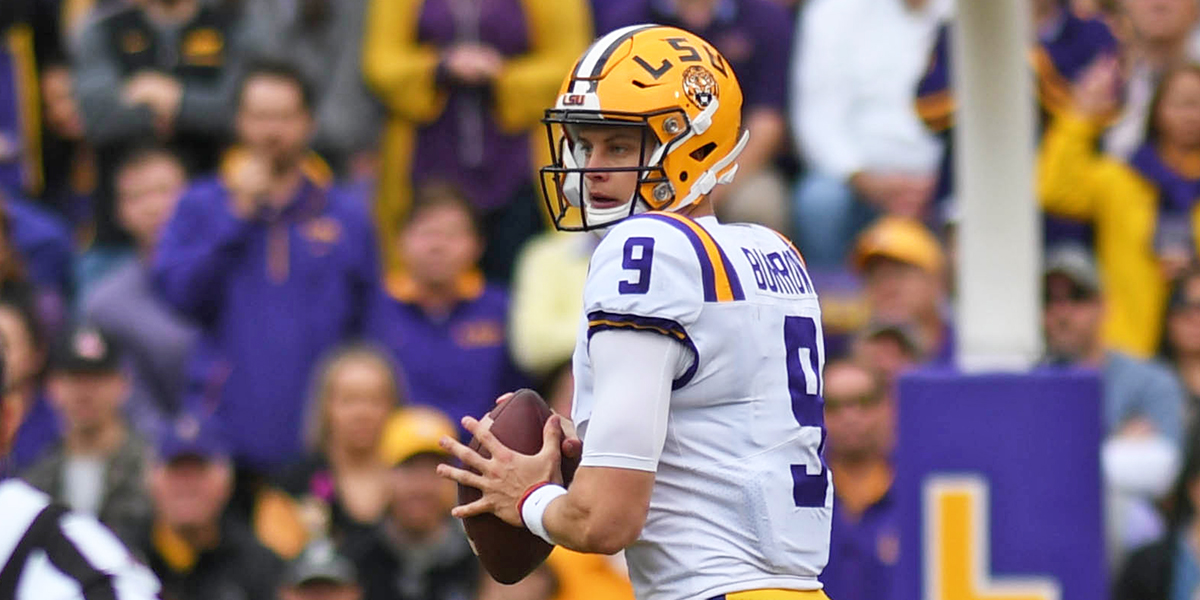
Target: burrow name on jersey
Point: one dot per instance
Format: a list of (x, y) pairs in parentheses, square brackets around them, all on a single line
[(778, 272)]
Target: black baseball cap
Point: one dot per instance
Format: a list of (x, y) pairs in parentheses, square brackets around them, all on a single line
[(83, 348)]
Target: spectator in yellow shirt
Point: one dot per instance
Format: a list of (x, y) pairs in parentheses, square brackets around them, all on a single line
[(1143, 210), (465, 84), (547, 299)]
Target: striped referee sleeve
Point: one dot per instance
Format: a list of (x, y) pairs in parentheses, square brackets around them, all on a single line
[(48, 553)]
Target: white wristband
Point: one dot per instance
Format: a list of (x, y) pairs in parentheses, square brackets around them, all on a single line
[(534, 509)]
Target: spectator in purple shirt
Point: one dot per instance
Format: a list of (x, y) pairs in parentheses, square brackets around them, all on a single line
[(445, 326), (273, 263), (863, 544), (755, 36)]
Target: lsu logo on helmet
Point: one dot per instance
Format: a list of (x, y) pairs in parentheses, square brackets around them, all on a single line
[(668, 81)]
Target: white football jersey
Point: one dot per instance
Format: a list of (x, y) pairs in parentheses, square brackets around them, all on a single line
[(742, 499)]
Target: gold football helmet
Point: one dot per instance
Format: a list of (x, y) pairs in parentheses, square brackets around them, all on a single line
[(668, 81)]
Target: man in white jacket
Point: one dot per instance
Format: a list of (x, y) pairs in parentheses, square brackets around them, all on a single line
[(855, 67), (50, 553)]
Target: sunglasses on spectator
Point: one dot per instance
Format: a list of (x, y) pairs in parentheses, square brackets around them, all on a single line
[(862, 402)]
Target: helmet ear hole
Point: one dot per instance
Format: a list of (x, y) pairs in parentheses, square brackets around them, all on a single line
[(683, 176), (702, 152)]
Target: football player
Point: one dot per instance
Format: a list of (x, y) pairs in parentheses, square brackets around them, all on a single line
[(698, 361)]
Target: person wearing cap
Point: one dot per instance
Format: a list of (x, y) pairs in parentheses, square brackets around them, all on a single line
[(196, 551), (903, 269), (45, 546), (1139, 394), (320, 572), (99, 466), (419, 551), (1143, 401)]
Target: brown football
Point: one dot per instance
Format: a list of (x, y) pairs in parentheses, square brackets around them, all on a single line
[(510, 553)]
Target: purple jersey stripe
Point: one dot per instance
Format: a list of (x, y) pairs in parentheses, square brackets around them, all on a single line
[(706, 267), (604, 321)]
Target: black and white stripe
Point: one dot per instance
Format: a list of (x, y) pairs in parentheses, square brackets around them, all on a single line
[(48, 553), (591, 64)]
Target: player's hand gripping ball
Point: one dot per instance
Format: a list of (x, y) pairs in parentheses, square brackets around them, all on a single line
[(509, 552)]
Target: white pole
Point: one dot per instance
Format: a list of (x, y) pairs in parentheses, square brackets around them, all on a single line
[(999, 232)]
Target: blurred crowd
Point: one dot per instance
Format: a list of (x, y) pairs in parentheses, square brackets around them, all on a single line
[(257, 256)]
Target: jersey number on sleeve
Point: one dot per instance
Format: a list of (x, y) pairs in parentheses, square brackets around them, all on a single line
[(805, 387), (639, 253)]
